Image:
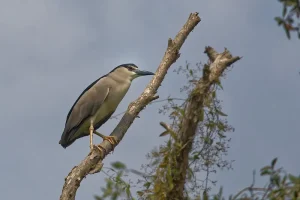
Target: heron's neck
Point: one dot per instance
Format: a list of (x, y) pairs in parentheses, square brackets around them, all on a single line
[(120, 79)]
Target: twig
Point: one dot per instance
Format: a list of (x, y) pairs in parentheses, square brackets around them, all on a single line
[(74, 178)]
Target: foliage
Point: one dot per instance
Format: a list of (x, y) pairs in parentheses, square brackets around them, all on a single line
[(290, 19), (116, 186), (280, 186), (209, 148)]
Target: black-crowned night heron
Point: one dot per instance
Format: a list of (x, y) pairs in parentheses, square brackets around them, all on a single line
[(97, 103)]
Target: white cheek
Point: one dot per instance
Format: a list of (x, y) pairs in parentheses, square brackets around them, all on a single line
[(133, 73), (130, 73)]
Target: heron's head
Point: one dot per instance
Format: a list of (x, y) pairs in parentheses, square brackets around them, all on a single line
[(130, 71)]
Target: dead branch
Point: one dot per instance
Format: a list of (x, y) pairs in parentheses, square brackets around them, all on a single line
[(189, 123), (91, 163)]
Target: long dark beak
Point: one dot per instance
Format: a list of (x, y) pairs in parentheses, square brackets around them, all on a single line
[(143, 73)]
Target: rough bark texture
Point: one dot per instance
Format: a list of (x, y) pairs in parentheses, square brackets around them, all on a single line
[(93, 162), (189, 123)]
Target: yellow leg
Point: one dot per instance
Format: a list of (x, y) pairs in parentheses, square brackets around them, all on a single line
[(91, 136), (111, 139)]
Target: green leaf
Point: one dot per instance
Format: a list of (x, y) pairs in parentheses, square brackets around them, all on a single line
[(294, 179), (221, 126), (164, 133), (201, 115), (290, 2), (278, 20), (140, 193), (283, 180), (128, 193), (273, 162), (214, 94), (118, 165), (267, 170), (205, 195), (190, 173), (287, 32), (191, 72), (208, 140), (284, 10), (218, 82), (98, 198), (147, 185), (219, 195), (211, 125), (180, 110), (221, 135), (275, 179), (221, 113), (187, 66)]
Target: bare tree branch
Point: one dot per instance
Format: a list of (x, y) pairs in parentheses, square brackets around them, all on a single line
[(88, 165), (211, 53), (189, 123)]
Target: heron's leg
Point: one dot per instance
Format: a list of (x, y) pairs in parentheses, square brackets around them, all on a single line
[(91, 135), (111, 139)]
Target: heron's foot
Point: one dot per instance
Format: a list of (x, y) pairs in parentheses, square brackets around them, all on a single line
[(101, 149), (111, 139)]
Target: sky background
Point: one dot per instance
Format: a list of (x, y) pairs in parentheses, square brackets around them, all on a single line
[(51, 50)]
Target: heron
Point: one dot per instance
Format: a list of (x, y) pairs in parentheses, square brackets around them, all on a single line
[(96, 104)]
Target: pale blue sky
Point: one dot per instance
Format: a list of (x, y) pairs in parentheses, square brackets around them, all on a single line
[(51, 50)]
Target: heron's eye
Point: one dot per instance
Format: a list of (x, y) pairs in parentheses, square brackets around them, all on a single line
[(130, 68)]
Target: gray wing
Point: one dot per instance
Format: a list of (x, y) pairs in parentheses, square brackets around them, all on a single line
[(86, 106)]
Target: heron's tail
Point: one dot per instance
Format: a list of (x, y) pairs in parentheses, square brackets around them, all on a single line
[(64, 141), (68, 138)]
